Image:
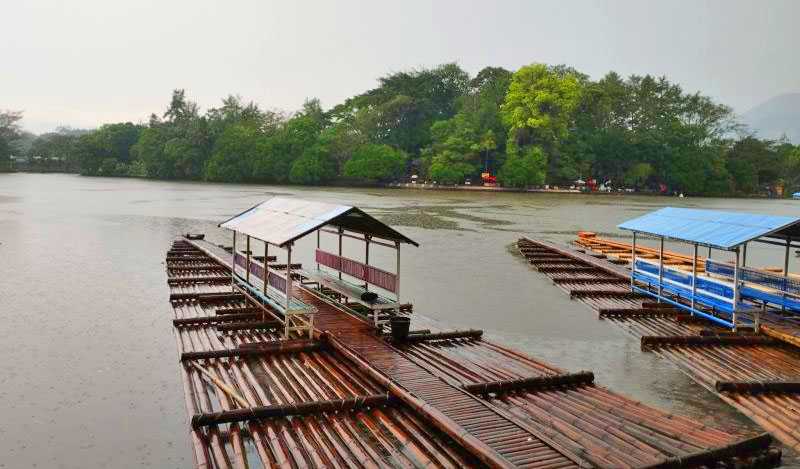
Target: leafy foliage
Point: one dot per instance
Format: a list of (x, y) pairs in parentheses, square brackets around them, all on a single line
[(9, 131), (524, 167), (539, 124), (374, 163)]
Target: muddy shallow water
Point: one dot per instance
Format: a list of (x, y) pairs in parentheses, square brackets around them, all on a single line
[(90, 375)]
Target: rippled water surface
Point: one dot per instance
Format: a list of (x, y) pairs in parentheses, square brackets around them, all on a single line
[(90, 374)]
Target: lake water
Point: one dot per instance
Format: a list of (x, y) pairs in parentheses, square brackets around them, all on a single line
[(90, 373)]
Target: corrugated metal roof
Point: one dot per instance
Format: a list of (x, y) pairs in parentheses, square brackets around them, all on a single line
[(281, 220), (721, 230)]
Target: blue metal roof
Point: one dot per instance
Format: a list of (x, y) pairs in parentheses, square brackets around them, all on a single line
[(721, 230)]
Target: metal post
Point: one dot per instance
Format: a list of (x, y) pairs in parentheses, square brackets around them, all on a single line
[(694, 277), (744, 255), (397, 280), (366, 259), (709, 252), (633, 260), (786, 271), (786, 258), (315, 255), (266, 267), (660, 266), (735, 287), (233, 264), (288, 277), (340, 251), (247, 273)]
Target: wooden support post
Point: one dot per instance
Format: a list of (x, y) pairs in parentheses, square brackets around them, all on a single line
[(633, 260), (786, 270), (735, 287), (340, 249), (288, 277), (660, 267), (366, 258), (233, 264), (694, 277), (744, 255), (397, 278), (266, 267), (247, 272)]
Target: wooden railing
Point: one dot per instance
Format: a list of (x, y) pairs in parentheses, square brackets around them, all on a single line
[(373, 275), (274, 279)]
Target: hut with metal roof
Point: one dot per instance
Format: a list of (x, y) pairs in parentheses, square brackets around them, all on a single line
[(279, 222), (717, 297)]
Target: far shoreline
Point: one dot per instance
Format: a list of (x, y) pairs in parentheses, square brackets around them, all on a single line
[(422, 187)]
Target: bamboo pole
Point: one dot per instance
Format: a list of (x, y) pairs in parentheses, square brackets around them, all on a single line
[(221, 385)]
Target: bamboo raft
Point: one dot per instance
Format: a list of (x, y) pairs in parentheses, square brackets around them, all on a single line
[(349, 397), (621, 253), (773, 322), (756, 374)]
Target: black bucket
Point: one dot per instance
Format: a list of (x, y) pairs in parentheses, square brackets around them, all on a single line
[(400, 326)]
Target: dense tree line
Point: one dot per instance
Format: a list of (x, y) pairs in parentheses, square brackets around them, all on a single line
[(538, 125)]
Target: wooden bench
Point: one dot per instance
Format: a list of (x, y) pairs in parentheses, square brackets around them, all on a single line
[(351, 291), (298, 316), (379, 308)]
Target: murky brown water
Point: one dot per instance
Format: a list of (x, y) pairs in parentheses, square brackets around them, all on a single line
[(90, 377)]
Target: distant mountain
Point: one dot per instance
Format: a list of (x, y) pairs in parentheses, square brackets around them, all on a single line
[(777, 116)]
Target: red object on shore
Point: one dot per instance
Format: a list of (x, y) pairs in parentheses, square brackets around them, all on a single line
[(487, 178)]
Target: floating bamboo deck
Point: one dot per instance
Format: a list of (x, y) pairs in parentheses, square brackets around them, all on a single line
[(349, 397), (756, 374), (773, 322)]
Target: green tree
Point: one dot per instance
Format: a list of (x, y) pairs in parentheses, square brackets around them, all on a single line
[(149, 149), (456, 149), (375, 163), (60, 146), (638, 174), (234, 154), (541, 102), (449, 167), (540, 109), (278, 151), (9, 131), (753, 163), (401, 110), (314, 167), (790, 155), (523, 167), (91, 152), (117, 139)]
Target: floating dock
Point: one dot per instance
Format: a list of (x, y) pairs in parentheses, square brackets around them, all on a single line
[(757, 374), (351, 397), (773, 321)]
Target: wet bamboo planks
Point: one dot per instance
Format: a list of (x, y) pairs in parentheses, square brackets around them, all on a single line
[(705, 353), (773, 323), (406, 405)]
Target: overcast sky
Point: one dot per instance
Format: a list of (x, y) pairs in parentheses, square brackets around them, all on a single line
[(86, 62)]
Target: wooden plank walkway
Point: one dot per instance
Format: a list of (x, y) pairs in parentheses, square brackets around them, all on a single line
[(433, 412), (773, 323), (495, 436), (472, 416), (716, 361)]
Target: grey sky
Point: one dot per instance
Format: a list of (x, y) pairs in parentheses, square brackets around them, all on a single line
[(87, 62)]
